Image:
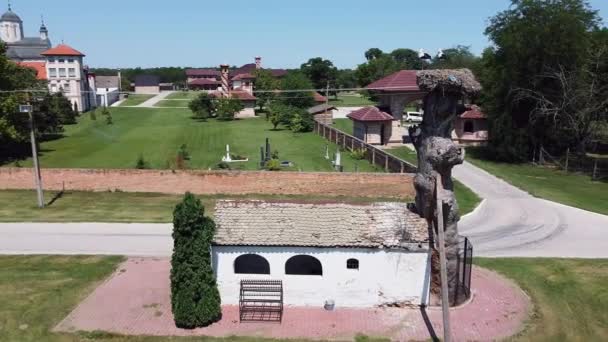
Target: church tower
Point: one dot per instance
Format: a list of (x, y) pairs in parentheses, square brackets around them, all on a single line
[(44, 33), (11, 27)]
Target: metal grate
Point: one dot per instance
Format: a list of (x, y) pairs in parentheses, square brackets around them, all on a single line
[(261, 301)]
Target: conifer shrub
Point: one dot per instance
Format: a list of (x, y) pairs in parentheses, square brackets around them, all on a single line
[(195, 298)]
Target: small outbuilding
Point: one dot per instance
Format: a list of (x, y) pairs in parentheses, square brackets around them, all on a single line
[(351, 255), (372, 125), (471, 127), (147, 84)]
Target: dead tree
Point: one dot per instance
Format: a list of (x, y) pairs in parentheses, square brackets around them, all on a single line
[(447, 89)]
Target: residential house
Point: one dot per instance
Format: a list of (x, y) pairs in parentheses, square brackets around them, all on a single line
[(147, 84), (352, 255)]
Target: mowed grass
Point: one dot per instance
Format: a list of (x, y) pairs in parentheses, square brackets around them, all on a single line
[(184, 95), (344, 125), (572, 189), (570, 296), (83, 206), (135, 99), (157, 134), (172, 103), (350, 100)]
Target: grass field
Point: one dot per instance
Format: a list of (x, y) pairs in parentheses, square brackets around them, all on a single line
[(572, 189), (183, 95), (344, 125), (83, 206), (172, 103), (157, 134), (135, 99), (350, 100), (570, 296)]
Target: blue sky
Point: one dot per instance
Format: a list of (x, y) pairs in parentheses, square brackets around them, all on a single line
[(128, 33)]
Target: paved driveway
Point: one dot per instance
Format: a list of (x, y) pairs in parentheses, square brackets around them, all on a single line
[(511, 222)]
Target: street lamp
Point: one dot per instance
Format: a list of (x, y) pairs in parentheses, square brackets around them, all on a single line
[(27, 108)]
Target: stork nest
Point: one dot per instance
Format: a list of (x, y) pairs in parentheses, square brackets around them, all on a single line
[(460, 81)]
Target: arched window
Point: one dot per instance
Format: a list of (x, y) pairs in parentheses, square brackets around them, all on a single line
[(303, 265), (251, 264), (469, 127), (352, 264)]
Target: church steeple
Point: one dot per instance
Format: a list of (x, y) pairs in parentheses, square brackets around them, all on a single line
[(44, 33)]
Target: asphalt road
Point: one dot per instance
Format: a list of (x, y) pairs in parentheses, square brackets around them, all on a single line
[(509, 223)]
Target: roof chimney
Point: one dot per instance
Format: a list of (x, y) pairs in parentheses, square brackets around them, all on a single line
[(224, 72), (258, 62)]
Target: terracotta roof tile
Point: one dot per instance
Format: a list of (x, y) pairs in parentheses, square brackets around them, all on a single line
[(473, 112), (262, 223), (203, 81), (40, 68), (242, 95), (319, 98), (62, 50), (369, 114), (203, 72), (404, 80)]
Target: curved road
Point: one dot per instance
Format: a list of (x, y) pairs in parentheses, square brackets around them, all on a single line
[(511, 222)]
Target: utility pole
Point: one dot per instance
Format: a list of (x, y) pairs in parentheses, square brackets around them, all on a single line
[(37, 179), (445, 301)]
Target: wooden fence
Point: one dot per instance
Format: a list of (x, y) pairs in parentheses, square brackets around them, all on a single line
[(373, 154)]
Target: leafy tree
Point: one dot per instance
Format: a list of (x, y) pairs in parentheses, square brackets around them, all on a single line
[(59, 106), (297, 81), (266, 83), (203, 106), (531, 38), (226, 108), (195, 298), (346, 79), (457, 57), (276, 113), (301, 121), (375, 69), (407, 59), (373, 53), (321, 72)]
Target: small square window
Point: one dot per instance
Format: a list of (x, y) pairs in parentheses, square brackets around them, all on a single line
[(352, 264), (61, 72), (70, 60), (51, 59), (72, 72), (61, 60), (52, 72)]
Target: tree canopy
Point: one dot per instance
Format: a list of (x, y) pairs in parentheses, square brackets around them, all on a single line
[(321, 72), (530, 39)]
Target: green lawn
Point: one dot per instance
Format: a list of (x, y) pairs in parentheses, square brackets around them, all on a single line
[(350, 100), (135, 99), (82, 206), (172, 103), (344, 125), (570, 296), (157, 134), (572, 189), (183, 95)]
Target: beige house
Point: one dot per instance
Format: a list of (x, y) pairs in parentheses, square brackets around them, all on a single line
[(471, 127), (147, 84), (371, 125)]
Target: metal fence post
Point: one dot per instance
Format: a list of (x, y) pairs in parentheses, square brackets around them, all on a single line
[(594, 168), (567, 157), (373, 156)]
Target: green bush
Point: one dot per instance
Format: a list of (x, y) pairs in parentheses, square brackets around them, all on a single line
[(195, 298), (141, 163), (227, 108), (203, 106), (273, 165), (358, 153), (223, 166)]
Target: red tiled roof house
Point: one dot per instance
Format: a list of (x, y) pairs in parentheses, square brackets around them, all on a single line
[(471, 127), (371, 125)]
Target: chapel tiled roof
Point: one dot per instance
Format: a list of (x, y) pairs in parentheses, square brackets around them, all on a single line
[(263, 223), (403, 80), (369, 114)]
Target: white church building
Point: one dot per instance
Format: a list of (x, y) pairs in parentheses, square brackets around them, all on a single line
[(62, 66), (349, 254)]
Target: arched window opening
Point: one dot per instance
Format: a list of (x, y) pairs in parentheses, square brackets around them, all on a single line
[(303, 265), (251, 264), (469, 127), (352, 264)]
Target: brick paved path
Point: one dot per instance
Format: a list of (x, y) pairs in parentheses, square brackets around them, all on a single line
[(136, 301)]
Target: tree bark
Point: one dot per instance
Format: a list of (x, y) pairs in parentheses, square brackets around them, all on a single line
[(437, 152)]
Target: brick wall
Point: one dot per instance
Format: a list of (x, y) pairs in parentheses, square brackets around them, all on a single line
[(215, 182)]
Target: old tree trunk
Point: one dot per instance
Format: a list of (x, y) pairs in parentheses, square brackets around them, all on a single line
[(447, 89)]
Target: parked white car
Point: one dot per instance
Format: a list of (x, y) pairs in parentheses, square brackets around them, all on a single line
[(413, 117)]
